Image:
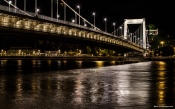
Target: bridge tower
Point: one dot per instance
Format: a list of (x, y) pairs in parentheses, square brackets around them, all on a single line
[(136, 21)]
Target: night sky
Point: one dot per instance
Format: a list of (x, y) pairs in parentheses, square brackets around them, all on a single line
[(161, 13)]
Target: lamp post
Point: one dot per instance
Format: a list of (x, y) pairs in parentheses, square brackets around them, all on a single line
[(51, 8), (35, 6), (15, 3), (37, 10), (79, 12), (57, 10), (120, 31), (64, 12), (94, 18), (58, 16), (73, 20), (10, 2), (105, 19), (114, 28), (138, 41), (24, 5)]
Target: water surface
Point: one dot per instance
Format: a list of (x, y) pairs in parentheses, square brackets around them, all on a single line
[(63, 84)]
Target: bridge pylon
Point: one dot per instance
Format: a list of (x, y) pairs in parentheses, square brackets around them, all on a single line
[(136, 21)]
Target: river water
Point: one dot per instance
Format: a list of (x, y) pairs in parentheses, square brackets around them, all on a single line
[(77, 84)]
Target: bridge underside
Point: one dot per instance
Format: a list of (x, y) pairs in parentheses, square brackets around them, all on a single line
[(24, 39)]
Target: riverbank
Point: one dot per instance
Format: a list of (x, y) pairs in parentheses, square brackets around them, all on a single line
[(163, 58), (84, 58)]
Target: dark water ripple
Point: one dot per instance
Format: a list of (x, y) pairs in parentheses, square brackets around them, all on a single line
[(51, 84)]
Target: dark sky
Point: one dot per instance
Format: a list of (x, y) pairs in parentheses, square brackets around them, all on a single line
[(161, 13), (158, 12)]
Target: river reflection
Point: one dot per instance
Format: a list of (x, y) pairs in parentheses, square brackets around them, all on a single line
[(56, 84)]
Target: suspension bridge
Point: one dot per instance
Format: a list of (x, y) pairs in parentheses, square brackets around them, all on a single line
[(20, 22)]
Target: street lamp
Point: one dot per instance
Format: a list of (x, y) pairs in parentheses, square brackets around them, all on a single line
[(73, 20), (114, 28), (105, 19), (138, 41), (10, 2), (162, 43), (24, 5), (78, 6), (94, 18), (37, 10), (135, 39), (58, 16)]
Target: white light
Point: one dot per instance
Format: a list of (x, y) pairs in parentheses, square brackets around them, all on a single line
[(73, 20), (114, 24), (78, 6), (37, 10), (93, 13), (105, 19), (58, 16), (10, 2)]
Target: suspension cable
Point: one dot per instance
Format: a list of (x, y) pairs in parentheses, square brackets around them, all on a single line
[(80, 15)]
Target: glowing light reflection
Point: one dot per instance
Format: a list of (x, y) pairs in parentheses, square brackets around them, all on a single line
[(3, 62), (112, 62), (79, 63), (99, 63), (19, 62), (78, 90), (161, 65)]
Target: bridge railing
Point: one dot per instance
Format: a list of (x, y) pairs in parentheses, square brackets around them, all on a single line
[(16, 10), (71, 24), (26, 13)]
